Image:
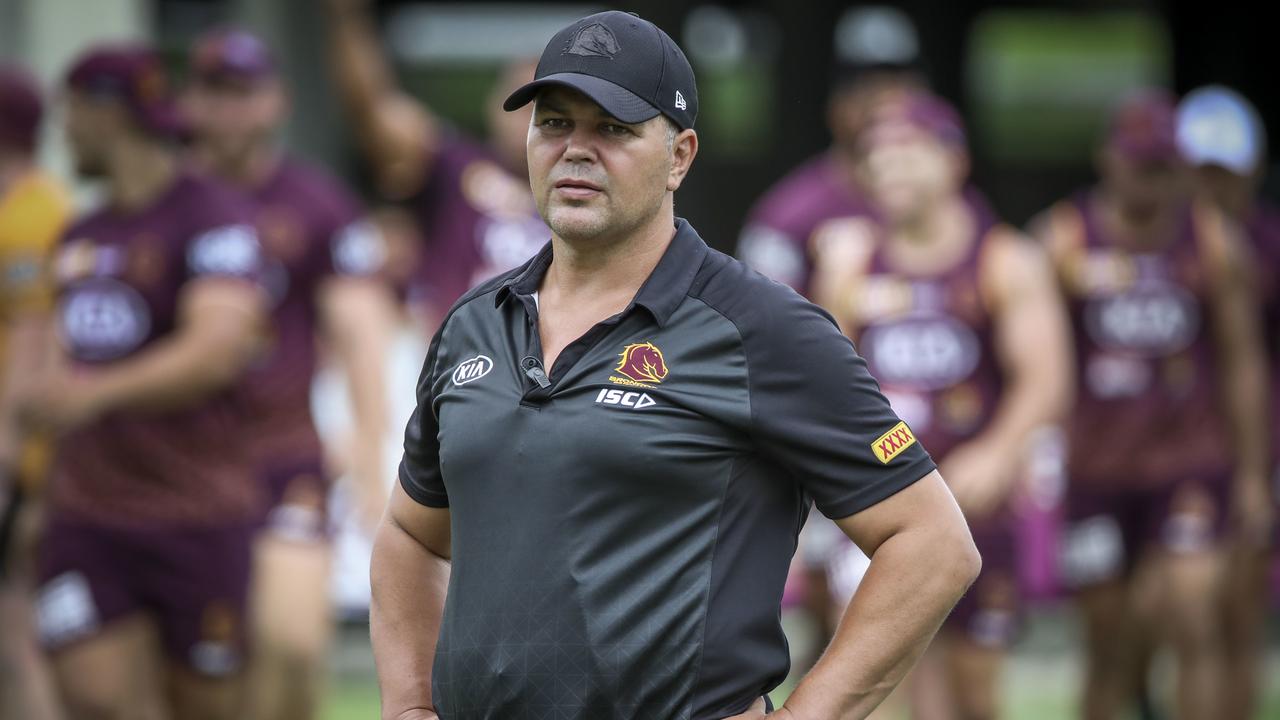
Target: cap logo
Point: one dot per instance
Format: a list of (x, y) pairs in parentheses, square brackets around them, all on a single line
[(594, 40), (640, 364), (680, 103)]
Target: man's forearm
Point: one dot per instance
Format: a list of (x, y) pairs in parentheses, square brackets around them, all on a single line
[(409, 585), (172, 373), (911, 586)]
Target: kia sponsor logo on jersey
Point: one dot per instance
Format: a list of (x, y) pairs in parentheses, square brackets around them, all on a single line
[(923, 352), (622, 398), (103, 319), (1157, 319), (472, 369)]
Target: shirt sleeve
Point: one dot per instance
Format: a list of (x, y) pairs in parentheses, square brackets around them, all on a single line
[(223, 242), (817, 412), (420, 465)]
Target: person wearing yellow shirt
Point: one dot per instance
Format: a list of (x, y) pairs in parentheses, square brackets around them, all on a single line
[(33, 210)]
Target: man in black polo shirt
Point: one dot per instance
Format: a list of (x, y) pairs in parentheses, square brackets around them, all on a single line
[(616, 444)]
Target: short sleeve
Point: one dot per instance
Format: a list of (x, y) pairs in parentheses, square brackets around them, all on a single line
[(818, 413), (420, 465), (230, 250)]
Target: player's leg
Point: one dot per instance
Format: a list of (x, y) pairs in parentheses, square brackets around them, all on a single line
[(114, 675), (102, 644), (290, 608), (292, 627), (1244, 618), (1095, 565), (200, 587), (26, 684), (1190, 569)]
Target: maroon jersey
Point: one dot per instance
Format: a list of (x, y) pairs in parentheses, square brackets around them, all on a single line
[(1264, 232), (120, 276), (928, 340), (312, 229), (1148, 407), (814, 198), (477, 219)]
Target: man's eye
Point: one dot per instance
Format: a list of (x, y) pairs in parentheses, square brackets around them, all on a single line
[(613, 129), (555, 123)]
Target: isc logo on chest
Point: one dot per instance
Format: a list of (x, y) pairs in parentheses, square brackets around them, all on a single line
[(634, 400)]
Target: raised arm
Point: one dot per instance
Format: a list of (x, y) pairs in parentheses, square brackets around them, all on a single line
[(397, 133), (922, 561)]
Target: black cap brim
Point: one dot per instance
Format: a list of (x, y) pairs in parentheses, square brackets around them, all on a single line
[(615, 99)]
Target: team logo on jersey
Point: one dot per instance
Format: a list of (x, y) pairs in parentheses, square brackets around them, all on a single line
[(892, 444), (472, 369), (640, 364)]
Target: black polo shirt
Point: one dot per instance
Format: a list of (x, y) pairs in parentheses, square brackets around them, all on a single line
[(623, 524)]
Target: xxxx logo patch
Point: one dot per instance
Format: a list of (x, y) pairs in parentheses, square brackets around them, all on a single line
[(891, 444)]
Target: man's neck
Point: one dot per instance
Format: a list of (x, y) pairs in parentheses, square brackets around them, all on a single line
[(933, 239), (139, 173), (247, 169), (610, 269), (1137, 226)]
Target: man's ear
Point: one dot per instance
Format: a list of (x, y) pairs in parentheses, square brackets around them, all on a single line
[(683, 149)]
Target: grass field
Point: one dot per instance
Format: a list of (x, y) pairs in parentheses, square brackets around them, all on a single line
[(1039, 683)]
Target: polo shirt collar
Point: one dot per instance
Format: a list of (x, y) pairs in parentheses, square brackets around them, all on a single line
[(661, 293)]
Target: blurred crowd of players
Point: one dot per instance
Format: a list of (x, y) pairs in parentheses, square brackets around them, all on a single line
[(166, 544)]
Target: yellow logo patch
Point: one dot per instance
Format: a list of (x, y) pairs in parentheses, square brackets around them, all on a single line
[(891, 444)]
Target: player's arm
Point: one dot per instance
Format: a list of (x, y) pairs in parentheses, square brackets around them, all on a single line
[(409, 575), (922, 560), (397, 132), (218, 329), (1243, 372), (1034, 351), (359, 316)]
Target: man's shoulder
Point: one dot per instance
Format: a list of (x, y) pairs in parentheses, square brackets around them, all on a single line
[(806, 196), (753, 302), (462, 307)]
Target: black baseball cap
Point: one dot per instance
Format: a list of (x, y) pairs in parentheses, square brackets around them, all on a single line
[(626, 64)]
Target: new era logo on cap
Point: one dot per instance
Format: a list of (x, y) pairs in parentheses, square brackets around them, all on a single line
[(626, 64)]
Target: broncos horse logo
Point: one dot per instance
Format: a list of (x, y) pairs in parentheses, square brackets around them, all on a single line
[(642, 363)]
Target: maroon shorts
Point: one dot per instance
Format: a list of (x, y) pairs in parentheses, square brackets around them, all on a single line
[(192, 581), (1108, 530), (297, 499), (990, 613)]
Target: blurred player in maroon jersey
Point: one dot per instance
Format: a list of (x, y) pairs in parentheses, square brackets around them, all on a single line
[(33, 211), (470, 202), (323, 260), (144, 567), (956, 317), (1168, 437), (877, 59), (1221, 136)]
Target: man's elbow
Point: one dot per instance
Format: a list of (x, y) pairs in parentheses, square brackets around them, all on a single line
[(961, 557)]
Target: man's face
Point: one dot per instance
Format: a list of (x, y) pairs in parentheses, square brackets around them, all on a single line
[(593, 176), (232, 115), (1143, 185), (905, 170), (91, 125)]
